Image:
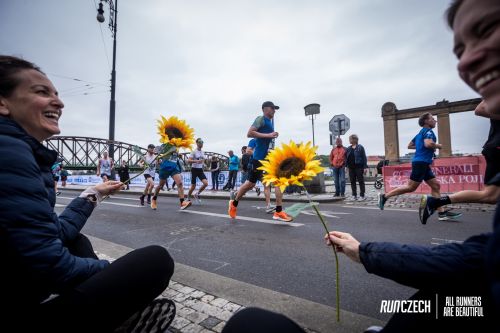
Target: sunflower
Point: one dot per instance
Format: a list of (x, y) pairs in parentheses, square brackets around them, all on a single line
[(290, 165), (176, 132)]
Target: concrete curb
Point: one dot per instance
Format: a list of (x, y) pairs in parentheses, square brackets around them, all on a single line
[(325, 198), (405, 201), (313, 316)]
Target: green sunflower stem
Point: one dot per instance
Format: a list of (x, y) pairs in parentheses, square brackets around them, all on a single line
[(140, 173), (337, 280)]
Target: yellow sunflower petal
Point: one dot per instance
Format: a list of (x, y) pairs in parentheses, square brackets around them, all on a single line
[(184, 134), (290, 164)]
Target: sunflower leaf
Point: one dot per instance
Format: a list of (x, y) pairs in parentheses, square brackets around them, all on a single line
[(166, 149), (295, 209), (137, 151)]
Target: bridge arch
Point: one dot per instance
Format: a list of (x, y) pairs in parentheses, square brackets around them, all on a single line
[(83, 153)]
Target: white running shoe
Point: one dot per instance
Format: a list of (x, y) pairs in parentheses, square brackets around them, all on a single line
[(270, 209)]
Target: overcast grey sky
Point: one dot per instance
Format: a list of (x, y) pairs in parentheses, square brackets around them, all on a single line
[(213, 63)]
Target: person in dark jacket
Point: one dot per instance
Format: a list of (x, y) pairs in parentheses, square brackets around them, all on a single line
[(356, 162), (476, 51), (245, 159), (449, 270), (51, 279), (124, 174)]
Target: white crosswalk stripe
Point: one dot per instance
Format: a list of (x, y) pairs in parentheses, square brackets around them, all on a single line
[(245, 218)]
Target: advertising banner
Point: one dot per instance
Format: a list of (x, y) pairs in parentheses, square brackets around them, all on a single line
[(89, 180), (453, 173)]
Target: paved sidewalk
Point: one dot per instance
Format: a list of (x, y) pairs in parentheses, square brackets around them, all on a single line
[(196, 311), (205, 301)]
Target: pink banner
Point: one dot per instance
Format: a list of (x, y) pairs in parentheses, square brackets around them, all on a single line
[(453, 173)]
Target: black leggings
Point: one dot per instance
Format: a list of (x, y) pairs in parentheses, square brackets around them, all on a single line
[(255, 320), (215, 180), (357, 174), (231, 180), (108, 298)]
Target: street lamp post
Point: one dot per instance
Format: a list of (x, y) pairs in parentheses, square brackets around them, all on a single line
[(113, 10), (312, 110)]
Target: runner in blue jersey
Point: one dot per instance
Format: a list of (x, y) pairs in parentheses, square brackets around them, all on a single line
[(262, 130), (171, 167), (267, 188), (425, 145)]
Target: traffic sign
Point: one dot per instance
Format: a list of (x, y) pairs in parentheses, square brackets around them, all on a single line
[(339, 124)]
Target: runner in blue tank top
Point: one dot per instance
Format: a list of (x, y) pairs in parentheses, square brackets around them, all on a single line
[(262, 130), (425, 145)]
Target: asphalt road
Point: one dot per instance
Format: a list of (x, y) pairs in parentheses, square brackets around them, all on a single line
[(291, 259)]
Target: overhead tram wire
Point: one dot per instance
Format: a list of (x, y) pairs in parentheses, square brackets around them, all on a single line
[(101, 83), (84, 88), (85, 93)]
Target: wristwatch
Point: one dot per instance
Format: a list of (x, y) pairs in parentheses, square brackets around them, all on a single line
[(92, 198)]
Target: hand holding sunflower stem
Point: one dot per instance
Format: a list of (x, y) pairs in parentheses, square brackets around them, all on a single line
[(146, 165), (291, 164), (174, 133)]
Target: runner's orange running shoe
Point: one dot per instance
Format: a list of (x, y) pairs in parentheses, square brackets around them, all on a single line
[(185, 204), (232, 209), (282, 216)]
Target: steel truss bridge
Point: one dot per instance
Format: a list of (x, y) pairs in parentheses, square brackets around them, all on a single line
[(83, 153)]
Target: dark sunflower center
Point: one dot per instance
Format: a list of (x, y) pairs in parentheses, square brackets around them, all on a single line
[(291, 166), (173, 132)]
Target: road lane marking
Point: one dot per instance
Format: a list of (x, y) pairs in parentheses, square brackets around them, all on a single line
[(121, 204), (110, 203), (221, 263), (376, 208), (244, 218), (124, 198), (185, 230), (325, 213), (305, 212)]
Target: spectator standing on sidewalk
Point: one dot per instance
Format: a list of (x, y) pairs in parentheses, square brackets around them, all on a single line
[(356, 164), (123, 172), (245, 159), (197, 160), (338, 162), (234, 163), (44, 254), (425, 145), (215, 170)]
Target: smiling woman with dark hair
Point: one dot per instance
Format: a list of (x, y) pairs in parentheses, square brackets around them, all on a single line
[(51, 279)]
